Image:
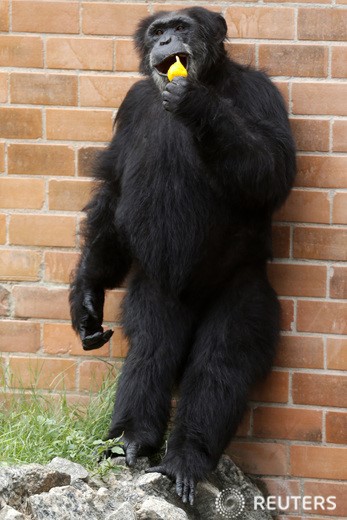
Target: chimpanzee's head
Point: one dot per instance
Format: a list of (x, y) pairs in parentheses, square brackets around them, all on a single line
[(195, 34)]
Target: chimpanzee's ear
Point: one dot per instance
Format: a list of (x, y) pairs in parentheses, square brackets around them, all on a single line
[(221, 28)]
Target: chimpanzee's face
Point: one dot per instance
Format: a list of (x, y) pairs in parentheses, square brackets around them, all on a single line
[(168, 37)]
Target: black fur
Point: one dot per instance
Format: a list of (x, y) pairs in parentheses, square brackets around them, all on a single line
[(187, 189)]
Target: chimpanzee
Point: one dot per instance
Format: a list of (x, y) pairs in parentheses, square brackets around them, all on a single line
[(187, 188)]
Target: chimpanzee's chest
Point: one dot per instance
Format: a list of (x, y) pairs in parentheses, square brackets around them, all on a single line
[(166, 203)]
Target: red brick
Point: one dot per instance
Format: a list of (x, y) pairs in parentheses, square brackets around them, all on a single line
[(319, 98), (322, 171), (2, 229), (244, 428), (4, 15), (340, 208), (298, 279), (294, 60), (318, 462), (322, 24), (163, 6), (336, 427), (260, 22), (302, 2), (300, 352), (319, 389), (93, 373), (40, 159), (119, 343), (43, 89), (274, 388), (243, 53), (280, 241), (19, 265), (45, 17), (126, 56), (20, 123), (69, 195), (287, 314), (49, 373), (42, 230), (86, 158), (338, 282), (40, 302), (22, 193), (311, 135), (79, 125), (328, 489), (320, 243), (113, 19), (4, 301), (59, 338), (287, 423), (316, 316), (305, 206), (280, 487), (21, 51), (59, 265), (2, 157), (259, 458), (3, 87), (339, 61), (19, 336), (340, 136), (104, 91), (79, 53), (337, 353)]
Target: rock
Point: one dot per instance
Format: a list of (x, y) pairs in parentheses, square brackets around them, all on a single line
[(67, 503), (155, 484), (124, 512), (19, 482), (205, 499), (76, 471), (62, 490), (8, 513), (159, 509)]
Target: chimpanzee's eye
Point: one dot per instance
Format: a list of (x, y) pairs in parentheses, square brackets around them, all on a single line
[(179, 28), (159, 32)]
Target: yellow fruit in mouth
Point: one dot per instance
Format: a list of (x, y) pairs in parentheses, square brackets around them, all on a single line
[(177, 69)]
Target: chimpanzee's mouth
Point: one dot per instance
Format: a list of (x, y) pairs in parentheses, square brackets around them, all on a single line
[(164, 65)]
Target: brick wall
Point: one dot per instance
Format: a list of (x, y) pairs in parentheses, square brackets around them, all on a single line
[(65, 68)]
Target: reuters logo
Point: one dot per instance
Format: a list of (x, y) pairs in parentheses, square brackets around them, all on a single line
[(230, 503)]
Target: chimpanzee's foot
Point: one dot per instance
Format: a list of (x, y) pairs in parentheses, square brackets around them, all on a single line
[(96, 340), (186, 469), (185, 483), (132, 449)]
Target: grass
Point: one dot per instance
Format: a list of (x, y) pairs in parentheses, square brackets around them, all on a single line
[(37, 427)]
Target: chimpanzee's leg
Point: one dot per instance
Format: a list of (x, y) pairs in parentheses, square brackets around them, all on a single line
[(103, 265), (159, 329), (234, 346)]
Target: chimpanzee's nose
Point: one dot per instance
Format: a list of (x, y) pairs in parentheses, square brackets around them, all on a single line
[(165, 41)]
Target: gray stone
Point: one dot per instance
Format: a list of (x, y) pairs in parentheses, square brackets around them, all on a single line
[(8, 513), (155, 484), (76, 471), (154, 508), (124, 512), (19, 482), (59, 491), (66, 503)]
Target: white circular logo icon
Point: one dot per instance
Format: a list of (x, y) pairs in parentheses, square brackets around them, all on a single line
[(230, 503)]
